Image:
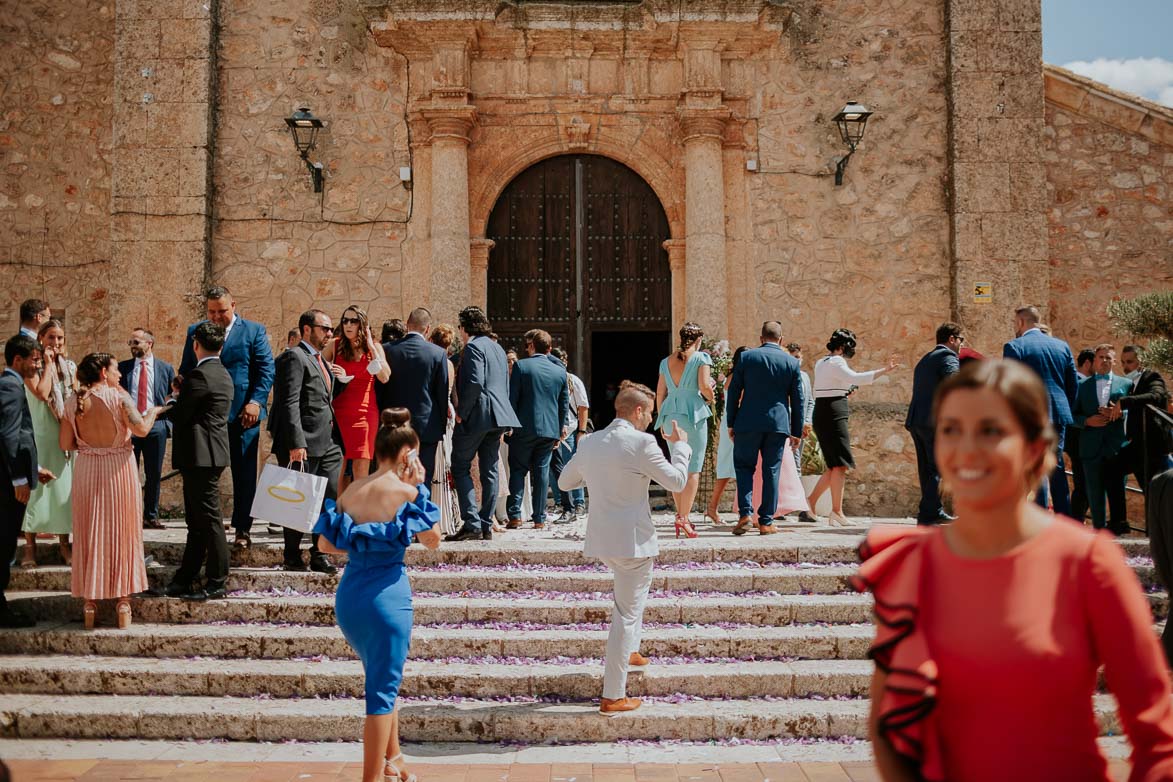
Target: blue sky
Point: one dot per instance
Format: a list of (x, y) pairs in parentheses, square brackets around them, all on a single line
[(1126, 44)]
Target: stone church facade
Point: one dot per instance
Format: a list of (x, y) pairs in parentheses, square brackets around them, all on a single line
[(146, 155)]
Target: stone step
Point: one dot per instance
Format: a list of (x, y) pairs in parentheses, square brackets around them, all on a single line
[(309, 719), (686, 608), (785, 579), (283, 642), (581, 679)]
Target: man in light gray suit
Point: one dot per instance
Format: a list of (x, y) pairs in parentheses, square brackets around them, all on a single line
[(616, 465)]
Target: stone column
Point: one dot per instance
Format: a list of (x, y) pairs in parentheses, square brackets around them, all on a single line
[(704, 217), (479, 270), (675, 248), (451, 248)]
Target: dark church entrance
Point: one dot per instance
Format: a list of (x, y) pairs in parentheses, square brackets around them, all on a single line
[(579, 253)]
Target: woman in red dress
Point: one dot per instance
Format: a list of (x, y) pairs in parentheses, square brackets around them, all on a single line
[(355, 352), (990, 630)]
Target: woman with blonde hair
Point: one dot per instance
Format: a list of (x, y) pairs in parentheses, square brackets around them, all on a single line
[(357, 356), (48, 508), (991, 630)]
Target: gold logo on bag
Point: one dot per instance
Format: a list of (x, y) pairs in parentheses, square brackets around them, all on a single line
[(286, 494)]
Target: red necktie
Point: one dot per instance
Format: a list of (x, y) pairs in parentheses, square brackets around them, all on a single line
[(325, 372), (142, 386)]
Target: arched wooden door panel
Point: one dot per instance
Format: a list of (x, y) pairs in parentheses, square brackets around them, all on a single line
[(579, 253)]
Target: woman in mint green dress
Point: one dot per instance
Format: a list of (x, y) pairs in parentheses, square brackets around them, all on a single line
[(683, 395), (49, 508)]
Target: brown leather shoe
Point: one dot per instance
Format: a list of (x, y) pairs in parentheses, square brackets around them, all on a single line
[(768, 529), (742, 525), (617, 705), (539, 525), (637, 660), (513, 524)]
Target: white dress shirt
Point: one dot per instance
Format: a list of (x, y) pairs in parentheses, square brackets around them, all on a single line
[(616, 465), (1104, 389), (134, 375), (578, 398), (834, 378), (228, 330), (28, 332)]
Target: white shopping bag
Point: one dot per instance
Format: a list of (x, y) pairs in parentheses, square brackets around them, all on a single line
[(291, 498)]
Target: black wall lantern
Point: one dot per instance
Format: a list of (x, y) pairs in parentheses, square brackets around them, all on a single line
[(304, 127), (852, 119)]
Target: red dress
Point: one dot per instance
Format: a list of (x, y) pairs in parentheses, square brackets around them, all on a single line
[(992, 663), (355, 408)]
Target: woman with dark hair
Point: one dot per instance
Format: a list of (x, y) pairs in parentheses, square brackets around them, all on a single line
[(834, 382), (724, 466), (683, 394), (107, 503), (357, 355), (374, 521), (991, 630), (442, 487), (48, 509)]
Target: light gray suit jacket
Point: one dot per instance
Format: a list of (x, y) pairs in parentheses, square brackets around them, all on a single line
[(616, 465)]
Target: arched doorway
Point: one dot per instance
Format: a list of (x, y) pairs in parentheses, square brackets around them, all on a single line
[(579, 253)]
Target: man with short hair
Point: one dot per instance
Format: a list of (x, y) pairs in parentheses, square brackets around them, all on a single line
[(1083, 363), (33, 314), (147, 379), (19, 469), (419, 382), (483, 414), (1102, 441), (302, 423), (765, 415), (538, 394), (200, 453), (292, 338), (1051, 360), (1083, 370), (1147, 454), (573, 502), (616, 464), (936, 365), (248, 359)]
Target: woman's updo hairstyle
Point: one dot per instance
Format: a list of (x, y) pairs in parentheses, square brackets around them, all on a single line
[(689, 333), (842, 338), (395, 434), (89, 371)]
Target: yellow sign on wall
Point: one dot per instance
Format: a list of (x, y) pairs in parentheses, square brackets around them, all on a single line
[(983, 293)]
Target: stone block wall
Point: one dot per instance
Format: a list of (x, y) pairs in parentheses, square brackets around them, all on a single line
[(1109, 169)]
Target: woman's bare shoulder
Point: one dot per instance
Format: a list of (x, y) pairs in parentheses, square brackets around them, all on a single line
[(375, 498)]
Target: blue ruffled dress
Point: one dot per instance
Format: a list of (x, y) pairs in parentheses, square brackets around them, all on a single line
[(373, 602)]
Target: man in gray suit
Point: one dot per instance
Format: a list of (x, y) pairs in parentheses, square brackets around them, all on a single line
[(483, 415), (302, 421), (616, 465)]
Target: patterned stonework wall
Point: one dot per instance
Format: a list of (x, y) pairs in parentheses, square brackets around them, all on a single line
[(56, 139), (1109, 169), (276, 244)]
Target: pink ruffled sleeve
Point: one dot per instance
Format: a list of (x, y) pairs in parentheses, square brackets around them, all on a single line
[(1134, 665)]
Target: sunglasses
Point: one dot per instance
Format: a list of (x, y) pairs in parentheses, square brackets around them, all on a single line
[(323, 328), (346, 321), (132, 342)]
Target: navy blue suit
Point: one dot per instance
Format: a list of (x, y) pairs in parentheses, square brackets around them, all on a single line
[(936, 365), (1052, 361), (539, 394), (419, 382), (483, 414), (248, 359), (152, 447), (764, 409), (18, 462)]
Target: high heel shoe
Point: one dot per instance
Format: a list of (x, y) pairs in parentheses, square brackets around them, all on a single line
[(396, 774), (837, 519), (124, 617), (713, 517), (88, 612), (685, 526)]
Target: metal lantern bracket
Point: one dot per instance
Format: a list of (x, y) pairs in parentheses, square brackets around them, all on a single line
[(304, 127), (852, 120)]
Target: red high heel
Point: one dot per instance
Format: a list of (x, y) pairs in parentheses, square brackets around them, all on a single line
[(685, 526)]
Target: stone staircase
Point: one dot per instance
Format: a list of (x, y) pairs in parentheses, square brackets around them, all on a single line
[(752, 639)]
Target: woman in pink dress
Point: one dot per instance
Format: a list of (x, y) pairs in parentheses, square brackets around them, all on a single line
[(990, 631), (357, 355), (107, 502)]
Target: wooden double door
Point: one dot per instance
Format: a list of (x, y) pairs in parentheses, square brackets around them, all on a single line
[(579, 253)]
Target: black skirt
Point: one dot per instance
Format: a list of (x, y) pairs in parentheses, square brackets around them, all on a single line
[(830, 424)]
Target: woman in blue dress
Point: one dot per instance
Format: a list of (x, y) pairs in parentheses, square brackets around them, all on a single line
[(683, 394), (373, 602)]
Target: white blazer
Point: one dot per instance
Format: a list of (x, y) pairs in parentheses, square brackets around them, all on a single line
[(616, 465)]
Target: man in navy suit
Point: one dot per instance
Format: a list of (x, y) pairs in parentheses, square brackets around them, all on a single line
[(419, 382), (539, 394), (147, 379), (936, 365), (247, 357), (483, 414), (1052, 361), (765, 414), (1102, 443)]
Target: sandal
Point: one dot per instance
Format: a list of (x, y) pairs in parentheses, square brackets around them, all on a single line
[(389, 763), (28, 564), (88, 612), (66, 554), (713, 517), (124, 617)]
